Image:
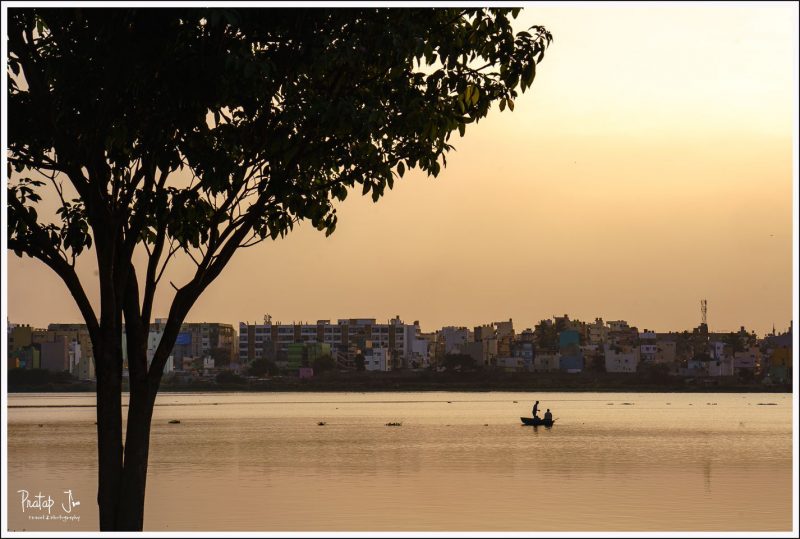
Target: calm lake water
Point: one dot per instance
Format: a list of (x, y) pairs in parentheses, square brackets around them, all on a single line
[(459, 462)]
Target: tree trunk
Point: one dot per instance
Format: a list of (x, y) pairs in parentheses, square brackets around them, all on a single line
[(109, 429), (130, 516)]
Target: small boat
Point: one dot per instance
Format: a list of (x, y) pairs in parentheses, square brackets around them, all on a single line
[(535, 421)]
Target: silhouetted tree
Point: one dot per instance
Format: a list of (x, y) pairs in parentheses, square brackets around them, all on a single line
[(546, 335), (359, 360), (323, 363), (260, 367), (221, 357), (197, 132), (734, 340), (463, 362)]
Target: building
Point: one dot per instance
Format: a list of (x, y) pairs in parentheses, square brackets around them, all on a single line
[(571, 359), (305, 354), (572, 363), (621, 359), (481, 333), (153, 340), (504, 332), (19, 336), (55, 355), (747, 360), (716, 349), (346, 339), (547, 362), (666, 351), (420, 356), (453, 338), (597, 332), (377, 359), (569, 339), (527, 335), (198, 340), (779, 362), (28, 357), (77, 338), (511, 364), (525, 351), (484, 352), (720, 367), (648, 346), (618, 326), (74, 353), (621, 334)]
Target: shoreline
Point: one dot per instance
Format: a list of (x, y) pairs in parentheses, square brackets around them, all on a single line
[(428, 381), (201, 388)]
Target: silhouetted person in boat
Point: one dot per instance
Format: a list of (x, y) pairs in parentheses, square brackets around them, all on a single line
[(548, 416), (535, 409)]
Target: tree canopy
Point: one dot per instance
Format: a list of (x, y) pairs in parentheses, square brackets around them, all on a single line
[(197, 132)]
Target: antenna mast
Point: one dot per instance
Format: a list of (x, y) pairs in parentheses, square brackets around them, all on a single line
[(704, 311)]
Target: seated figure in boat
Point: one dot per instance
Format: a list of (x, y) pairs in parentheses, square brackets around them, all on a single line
[(548, 417)]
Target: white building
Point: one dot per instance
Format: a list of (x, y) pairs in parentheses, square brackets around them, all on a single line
[(420, 355), (153, 340), (377, 359), (454, 338), (74, 351), (543, 362), (623, 361)]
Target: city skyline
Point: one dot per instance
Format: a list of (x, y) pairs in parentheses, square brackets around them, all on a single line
[(277, 320), (625, 188)]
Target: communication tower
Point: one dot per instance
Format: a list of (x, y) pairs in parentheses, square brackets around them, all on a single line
[(704, 311)]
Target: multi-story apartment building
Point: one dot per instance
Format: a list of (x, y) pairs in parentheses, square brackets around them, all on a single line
[(597, 332), (484, 352), (453, 337), (484, 332), (524, 350), (648, 346), (505, 337), (666, 351), (347, 337), (622, 359)]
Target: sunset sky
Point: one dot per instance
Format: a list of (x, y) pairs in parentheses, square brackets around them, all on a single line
[(649, 167)]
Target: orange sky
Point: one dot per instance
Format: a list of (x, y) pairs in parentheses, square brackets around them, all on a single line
[(650, 166)]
